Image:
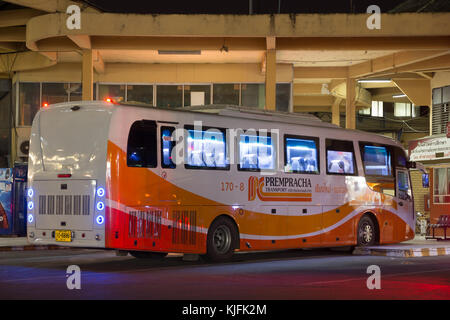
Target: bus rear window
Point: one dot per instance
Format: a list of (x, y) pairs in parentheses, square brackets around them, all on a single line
[(141, 148), (340, 157), (376, 160)]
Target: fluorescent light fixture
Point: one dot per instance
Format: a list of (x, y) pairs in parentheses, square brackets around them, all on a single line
[(374, 81), (191, 52), (399, 96)]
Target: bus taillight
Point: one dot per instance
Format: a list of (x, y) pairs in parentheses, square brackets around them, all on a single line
[(64, 175)]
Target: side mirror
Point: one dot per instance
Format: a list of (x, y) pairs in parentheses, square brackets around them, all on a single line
[(416, 165)]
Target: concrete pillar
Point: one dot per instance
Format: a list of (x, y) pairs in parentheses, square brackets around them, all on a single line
[(271, 79), (335, 112), (88, 75), (350, 109)]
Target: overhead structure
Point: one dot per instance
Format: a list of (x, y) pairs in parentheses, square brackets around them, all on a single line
[(323, 56)]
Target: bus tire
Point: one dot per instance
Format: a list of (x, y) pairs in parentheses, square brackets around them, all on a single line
[(148, 255), (222, 235), (366, 233)]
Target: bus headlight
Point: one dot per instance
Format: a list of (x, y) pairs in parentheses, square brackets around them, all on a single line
[(100, 192), (100, 219), (100, 206)]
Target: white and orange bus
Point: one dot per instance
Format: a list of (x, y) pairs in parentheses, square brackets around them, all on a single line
[(152, 181)]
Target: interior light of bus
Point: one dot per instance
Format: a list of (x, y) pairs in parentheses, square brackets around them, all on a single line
[(30, 218), (100, 219), (64, 175), (30, 205), (100, 192), (100, 206), (30, 192)]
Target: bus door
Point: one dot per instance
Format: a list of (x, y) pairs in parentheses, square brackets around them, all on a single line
[(405, 206), (167, 194)]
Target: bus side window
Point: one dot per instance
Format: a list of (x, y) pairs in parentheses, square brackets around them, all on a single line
[(141, 146), (167, 145), (300, 154), (256, 152), (376, 159), (206, 148), (340, 157)]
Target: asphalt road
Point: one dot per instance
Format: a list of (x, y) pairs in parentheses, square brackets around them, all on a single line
[(287, 275)]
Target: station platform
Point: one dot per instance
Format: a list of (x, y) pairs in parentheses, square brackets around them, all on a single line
[(418, 247)]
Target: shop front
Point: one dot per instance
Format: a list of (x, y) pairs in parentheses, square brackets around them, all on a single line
[(434, 153)]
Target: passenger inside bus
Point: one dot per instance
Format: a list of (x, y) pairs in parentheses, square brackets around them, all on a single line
[(340, 162), (301, 155)]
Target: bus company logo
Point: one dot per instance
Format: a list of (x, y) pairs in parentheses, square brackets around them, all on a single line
[(279, 189)]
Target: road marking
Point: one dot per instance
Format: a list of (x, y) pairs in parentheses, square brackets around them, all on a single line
[(383, 276)]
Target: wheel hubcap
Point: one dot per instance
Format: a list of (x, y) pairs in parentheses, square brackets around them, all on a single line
[(222, 239), (366, 233)]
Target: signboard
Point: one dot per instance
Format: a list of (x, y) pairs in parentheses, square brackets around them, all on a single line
[(448, 129), (429, 149), (6, 180)]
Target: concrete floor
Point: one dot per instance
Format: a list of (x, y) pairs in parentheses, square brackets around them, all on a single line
[(286, 275)]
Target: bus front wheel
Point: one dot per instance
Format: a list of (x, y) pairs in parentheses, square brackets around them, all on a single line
[(366, 232), (221, 239)]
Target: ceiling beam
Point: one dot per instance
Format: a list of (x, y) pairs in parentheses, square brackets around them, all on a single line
[(313, 101), (391, 61), (99, 64), (82, 41), (418, 91), (312, 109), (178, 43), (365, 43), (308, 89), (441, 62), (23, 61), (10, 46), (320, 72), (20, 17), (13, 34), (49, 5)]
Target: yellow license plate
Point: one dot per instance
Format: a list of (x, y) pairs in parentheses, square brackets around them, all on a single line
[(63, 235)]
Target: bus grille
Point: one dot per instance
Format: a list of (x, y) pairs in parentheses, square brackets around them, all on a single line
[(184, 227), (65, 204), (145, 224)]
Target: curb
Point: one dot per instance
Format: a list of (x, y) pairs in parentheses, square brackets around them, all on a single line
[(403, 253), (32, 247)]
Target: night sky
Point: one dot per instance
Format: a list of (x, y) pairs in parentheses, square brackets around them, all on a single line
[(241, 6)]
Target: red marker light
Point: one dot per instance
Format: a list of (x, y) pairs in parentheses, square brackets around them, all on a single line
[(64, 175), (45, 105)]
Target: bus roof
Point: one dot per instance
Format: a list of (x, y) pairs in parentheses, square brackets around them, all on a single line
[(234, 111)]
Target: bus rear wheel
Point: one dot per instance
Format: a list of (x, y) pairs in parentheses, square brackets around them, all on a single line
[(221, 238), (148, 255), (366, 232)]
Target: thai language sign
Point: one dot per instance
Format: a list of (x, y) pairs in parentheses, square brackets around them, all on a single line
[(429, 149)]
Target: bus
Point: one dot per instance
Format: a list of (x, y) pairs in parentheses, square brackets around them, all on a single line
[(210, 181)]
